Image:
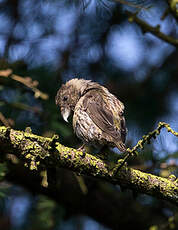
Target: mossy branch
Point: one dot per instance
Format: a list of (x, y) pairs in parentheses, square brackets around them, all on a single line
[(41, 153), (147, 138)]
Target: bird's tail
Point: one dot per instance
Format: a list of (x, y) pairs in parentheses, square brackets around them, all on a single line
[(121, 146)]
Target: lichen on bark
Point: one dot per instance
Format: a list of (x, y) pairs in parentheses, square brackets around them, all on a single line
[(41, 153)]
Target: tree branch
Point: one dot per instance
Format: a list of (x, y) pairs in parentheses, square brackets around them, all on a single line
[(24, 81), (153, 30), (138, 6), (173, 7), (39, 153)]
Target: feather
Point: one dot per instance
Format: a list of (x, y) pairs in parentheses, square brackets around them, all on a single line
[(102, 115)]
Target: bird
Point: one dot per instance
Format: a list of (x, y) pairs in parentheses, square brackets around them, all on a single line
[(98, 116)]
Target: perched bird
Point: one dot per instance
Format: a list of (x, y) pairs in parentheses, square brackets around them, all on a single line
[(98, 117)]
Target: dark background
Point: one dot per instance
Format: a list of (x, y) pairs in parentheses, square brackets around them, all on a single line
[(54, 41)]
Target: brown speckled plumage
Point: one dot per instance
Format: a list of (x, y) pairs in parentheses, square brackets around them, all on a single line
[(98, 115)]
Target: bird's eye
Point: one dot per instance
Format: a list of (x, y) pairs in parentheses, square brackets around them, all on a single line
[(65, 98)]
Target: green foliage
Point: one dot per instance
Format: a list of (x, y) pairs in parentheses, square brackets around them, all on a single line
[(47, 214)]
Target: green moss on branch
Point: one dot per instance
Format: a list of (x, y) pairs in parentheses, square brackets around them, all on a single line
[(41, 153)]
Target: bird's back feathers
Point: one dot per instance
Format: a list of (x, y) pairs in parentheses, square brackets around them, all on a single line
[(98, 114), (102, 110)]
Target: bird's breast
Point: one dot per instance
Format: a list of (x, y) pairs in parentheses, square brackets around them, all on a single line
[(84, 127)]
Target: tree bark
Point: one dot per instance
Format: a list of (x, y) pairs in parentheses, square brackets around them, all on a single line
[(42, 153)]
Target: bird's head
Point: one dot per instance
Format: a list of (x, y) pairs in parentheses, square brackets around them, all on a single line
[(69, 94)]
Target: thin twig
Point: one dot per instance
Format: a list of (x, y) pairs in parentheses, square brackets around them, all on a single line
[(140, 144), (26, 81), (4, 120), (21, 106), (131, 4)]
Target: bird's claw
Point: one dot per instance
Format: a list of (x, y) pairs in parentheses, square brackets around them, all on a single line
[(82, 148)]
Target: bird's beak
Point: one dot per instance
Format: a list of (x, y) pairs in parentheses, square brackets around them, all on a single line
[(65, 114)]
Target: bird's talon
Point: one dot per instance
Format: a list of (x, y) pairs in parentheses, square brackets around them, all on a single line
[(82, 148)]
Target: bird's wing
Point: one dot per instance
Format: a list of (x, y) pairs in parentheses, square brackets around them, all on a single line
[(100, 113)]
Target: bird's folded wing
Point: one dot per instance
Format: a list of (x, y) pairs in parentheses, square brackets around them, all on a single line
[(101, 114)]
